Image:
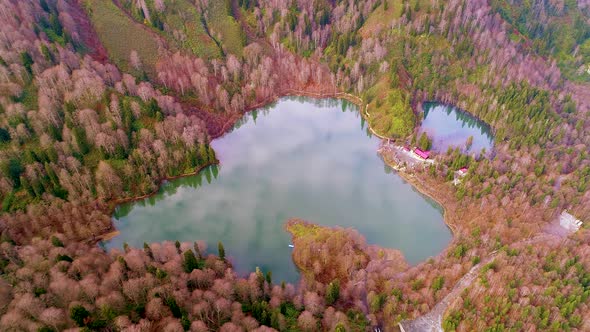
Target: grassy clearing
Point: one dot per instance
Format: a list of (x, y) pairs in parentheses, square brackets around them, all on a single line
[(120, 35), (183, 16), (387, 10), (224, 27), (381, 16)]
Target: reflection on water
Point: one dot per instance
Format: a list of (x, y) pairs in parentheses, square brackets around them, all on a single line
[(451, 127), (300, 157)]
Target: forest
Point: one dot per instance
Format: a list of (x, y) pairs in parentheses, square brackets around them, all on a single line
[(102, 100)]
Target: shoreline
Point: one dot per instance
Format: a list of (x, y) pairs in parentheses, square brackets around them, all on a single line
[(432, 194), (448, 217), (460, 110), (159, 185), (112, 204)]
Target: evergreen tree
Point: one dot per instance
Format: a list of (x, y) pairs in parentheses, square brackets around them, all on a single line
[(27, 61), (56, 242), (79, 314), (198, 251), (13, 170), (333, 292), (4, 135), (221, 250), (424, 142), (190, 262), (81, 140), (148, 250), (211, 155)]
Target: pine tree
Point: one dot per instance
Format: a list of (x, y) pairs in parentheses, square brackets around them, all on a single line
[(221, 250), (424, 142), (148, 250), (211, 154), (190, 262), (79, 314), (27, 61), (333, 292), (198, 251)]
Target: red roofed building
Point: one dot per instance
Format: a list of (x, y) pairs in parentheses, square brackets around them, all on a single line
[(422, 154)]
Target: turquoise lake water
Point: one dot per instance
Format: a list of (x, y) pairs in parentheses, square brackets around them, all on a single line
[(300, 157), (448, 126)]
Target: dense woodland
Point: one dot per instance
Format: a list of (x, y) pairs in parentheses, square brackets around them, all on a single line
[(100, 100)]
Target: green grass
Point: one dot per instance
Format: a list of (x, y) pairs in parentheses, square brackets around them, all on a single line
[(388, 10), (221, 22), (120, 35), (382, 15), (182, 15)]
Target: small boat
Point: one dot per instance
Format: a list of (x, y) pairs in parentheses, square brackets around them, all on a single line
[(291, 246)]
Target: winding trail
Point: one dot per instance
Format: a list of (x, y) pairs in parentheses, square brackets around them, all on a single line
[(432, 321)]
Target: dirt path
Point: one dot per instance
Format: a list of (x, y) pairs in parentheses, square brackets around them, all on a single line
[(432, 321)]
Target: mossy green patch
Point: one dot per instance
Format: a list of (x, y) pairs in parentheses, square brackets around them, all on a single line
[(224, 27), (120, 35), (381, 16), (299, 229), (183, 16)]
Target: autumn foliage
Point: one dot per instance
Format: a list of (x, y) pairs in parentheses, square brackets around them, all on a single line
[(87, 121)]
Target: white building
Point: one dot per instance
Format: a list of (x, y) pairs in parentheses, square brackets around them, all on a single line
[(569, 222)]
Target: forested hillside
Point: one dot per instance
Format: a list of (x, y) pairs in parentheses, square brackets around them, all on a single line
[(559, 29), (101, 100)]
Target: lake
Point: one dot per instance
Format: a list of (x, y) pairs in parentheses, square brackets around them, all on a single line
[(300, 157), (449, 126)]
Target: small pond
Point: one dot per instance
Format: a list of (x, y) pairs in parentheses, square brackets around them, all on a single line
[(449, 126), (300, 157)]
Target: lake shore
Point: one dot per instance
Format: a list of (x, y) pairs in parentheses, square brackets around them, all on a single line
[(449, 215), (112, 205), (419, 185), (425, 187)]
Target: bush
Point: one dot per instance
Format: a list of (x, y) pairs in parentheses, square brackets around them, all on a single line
[(79, 314), (438, 283), (417, 284), (56, 242), (460, 251), (4, 135), (451, 322), (333, 292)]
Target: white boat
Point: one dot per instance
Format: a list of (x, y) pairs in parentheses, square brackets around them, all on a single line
[(291, 246)]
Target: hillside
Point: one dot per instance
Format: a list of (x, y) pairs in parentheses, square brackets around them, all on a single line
[(101, 100)]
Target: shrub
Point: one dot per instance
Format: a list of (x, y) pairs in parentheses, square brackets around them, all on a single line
[(79, 314), (333, 292)]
